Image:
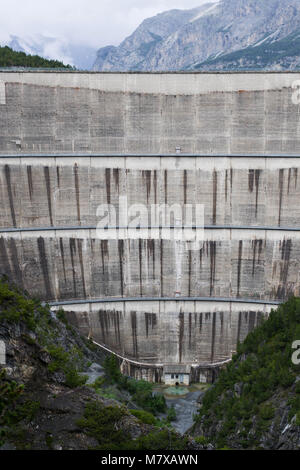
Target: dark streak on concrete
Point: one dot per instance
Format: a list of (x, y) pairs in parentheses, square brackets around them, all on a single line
[(161, 268), (140, 266), (134, 334), (4, 260), (58, 176), (155, 185), (44, 266), (280, 183), (215, 191), (190, 271), (73, 253), (213, 337), (48, 188), (79, 244), (181, 334), (63, 257), (121, 256), (15, 262), (213, 251), (239, 267), (254, 248), (29, 180), (107, 182), (10, 195), (116, 178), (166, 186), (77, 192)]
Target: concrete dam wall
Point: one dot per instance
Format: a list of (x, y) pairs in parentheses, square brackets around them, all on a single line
[(71, 142)]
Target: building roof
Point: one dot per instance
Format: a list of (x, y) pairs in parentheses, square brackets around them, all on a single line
[(177, 369)]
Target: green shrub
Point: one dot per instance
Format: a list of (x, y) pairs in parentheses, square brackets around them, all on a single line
[(145, 417)]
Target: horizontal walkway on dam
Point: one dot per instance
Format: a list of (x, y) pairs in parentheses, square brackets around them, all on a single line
[(193, 227), (140, 155), (164, 299)]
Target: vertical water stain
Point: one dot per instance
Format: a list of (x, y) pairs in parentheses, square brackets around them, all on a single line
[(213, 337), (239, 328), (150, 320), (146, 174), (79, 244), (116, 322), (104, 253), (44, 266), (200, 322), (286, 249), (121, 256), (296, 176), (166, 186), (77, 192), (48, 188), (63, 258), (257, 177), (140, 266), (254, 177), (104, 324), (289, 180), (58, 176), (226, 184), (239, 267), (161, 268), (181, 334), (251, 321), (231, 179), (213, 250), (280, 184), (4, 260), (201, 257), (185, 186), (190, 271), (29, 180), (73, 253), (155, 186), (116, 178), (190, 331), (107, 182), (10, 194), (215, 191), (134, 334), (254, 248), (251, 180), (151, 253), (15, 262)]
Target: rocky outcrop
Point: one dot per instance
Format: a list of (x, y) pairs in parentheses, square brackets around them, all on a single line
[(231, 34)]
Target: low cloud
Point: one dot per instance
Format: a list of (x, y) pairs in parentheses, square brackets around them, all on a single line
[(94, 23)]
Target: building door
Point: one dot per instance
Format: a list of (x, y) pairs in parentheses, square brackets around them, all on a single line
[(181, 378)]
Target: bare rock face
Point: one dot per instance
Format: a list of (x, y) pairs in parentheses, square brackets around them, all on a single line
[(231, 34)]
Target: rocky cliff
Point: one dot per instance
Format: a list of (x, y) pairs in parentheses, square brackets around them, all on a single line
[(47, 400), (229, 35)]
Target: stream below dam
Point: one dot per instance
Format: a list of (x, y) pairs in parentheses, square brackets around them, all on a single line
[(185, 401)]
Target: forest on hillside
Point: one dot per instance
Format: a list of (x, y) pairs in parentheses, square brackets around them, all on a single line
[(11, 58)]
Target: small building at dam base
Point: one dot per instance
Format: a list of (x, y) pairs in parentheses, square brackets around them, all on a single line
[(74, 146)]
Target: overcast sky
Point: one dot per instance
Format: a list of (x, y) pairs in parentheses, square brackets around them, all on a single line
[(95, 23)]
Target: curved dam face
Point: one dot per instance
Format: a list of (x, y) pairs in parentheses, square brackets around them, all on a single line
[(71, 143)]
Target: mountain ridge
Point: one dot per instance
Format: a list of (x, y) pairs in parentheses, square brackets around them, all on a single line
[(202, 39)]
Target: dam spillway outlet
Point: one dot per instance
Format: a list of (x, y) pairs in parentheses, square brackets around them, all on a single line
[(72, 142)]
